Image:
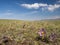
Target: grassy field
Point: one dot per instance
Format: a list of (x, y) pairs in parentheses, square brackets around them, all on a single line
[(25, 32)]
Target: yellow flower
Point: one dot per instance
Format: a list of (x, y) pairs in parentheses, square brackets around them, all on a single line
[(43, 33)]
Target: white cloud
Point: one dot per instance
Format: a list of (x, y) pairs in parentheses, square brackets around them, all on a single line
[(8, 13), (53, 7), (35, 5), (53, 17), (43, 6)]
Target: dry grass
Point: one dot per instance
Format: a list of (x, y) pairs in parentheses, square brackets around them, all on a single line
[(25, 32)]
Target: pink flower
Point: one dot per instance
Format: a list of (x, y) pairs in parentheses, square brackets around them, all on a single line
[(42, 32)]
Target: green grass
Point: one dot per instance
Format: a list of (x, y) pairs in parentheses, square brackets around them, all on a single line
[(21, 31)]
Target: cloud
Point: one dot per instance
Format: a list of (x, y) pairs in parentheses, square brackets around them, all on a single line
[(8, 13), (41, 5), (59, 1), (53, 7), (35, 5), (53, 17)]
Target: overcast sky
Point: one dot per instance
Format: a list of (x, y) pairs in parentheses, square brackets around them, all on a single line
[(29, 9)]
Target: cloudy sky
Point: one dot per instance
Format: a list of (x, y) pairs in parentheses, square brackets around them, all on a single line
[(29, 9)]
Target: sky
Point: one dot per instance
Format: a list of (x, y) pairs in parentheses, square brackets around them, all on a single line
[(29, 9)]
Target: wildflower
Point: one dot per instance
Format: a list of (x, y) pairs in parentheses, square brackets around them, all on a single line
[(52, 37), (42, 33)]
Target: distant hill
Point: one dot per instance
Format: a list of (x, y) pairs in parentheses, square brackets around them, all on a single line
[(30, 20)]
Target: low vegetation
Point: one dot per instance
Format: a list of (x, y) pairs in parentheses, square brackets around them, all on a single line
[(25, 32)]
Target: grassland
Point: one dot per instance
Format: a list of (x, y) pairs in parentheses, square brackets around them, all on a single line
[(26, 31)]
